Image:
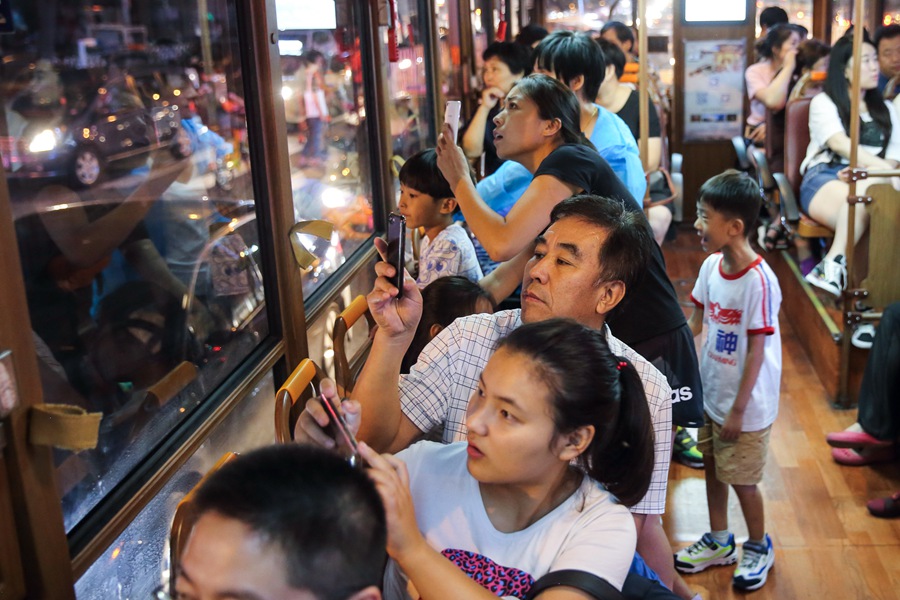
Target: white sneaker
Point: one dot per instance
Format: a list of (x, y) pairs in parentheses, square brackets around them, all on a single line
[(756, 561), (829, 275), (705, 553), (863, 336)]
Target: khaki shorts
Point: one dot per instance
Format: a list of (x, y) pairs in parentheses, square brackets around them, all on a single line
[(740, 462)]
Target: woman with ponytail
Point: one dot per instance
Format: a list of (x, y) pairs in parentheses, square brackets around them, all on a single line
[(539, 128), (559, 443)]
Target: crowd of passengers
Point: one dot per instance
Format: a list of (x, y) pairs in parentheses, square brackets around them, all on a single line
[(525, 453)]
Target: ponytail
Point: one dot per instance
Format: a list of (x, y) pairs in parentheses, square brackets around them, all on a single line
[(622, 458)]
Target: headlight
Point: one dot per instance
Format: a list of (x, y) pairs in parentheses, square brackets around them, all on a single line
[(45, 141), (286, 92)]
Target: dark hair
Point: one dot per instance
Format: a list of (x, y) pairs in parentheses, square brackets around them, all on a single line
[(625, 255), (592, 386), (773, 15), (775, 37), (421, 173), (555, 101), (530, 34), (311, 56), (623, 32), (809, 52), (735, 195), (443, 301), (838, 88), (613, 55), (569, 55), (325, 515), (886, 32), (515, 56)]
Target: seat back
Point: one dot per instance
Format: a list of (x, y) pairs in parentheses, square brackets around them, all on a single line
[(186, 517), (809, 84), (343, 374), (796, 140), (287, 407), (774, 144)]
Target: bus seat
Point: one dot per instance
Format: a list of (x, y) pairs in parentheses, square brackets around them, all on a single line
[(287, 407), (796, 140), (185, 518), (774, 144), (790, 212), (883, 279), (809, 84), (740, 149), (344, 376), (632, 67)]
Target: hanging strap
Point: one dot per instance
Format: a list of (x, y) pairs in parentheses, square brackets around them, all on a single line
[(589, 583)]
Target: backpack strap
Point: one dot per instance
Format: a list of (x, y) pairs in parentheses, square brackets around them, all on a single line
[(589, 583)]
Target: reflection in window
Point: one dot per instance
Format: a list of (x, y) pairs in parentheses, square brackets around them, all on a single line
[(322, 88), (123, 141)]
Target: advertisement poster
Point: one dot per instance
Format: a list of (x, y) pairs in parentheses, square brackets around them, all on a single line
[(714, 89)]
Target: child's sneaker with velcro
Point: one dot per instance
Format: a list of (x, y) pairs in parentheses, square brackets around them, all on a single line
[(706, 552), (756, 561)]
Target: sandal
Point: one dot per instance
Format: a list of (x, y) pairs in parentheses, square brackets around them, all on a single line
[(773, 238), (885, 508)]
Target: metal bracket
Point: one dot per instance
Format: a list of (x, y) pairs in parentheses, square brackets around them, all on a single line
[(859, 199), (857, 174), (852, 318)]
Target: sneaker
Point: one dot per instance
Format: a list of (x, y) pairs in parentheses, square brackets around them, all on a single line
[(863, 336), (685, 449), (756, 560), (704, 553), (829, 275)]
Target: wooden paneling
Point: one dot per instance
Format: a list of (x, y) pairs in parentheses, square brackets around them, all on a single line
[(12, 581), (826, 543)]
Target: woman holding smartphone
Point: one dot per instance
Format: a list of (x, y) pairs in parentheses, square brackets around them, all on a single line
[(559, 443)]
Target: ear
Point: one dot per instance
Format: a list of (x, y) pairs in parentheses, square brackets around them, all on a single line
[(610, 293), (736, 227), (448, 205), (434, 330), (574, 443), (553, 127), (576, 83), (369, 593)]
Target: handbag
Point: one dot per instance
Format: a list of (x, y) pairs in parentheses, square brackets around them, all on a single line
[(595, 586)]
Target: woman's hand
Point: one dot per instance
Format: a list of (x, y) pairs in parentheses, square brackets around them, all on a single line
[(392, 481), (789, 61), (451, 160), (491, 96), (312, 423), (395, 316), (758, 135)]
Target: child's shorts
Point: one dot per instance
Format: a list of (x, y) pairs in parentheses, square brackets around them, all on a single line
[(740, 462)]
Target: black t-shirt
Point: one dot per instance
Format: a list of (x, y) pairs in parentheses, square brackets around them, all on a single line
[(653, 308), (631, 114)]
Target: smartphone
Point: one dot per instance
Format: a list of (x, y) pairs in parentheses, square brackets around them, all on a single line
[(451, 116), (396, 250), (340, 431)]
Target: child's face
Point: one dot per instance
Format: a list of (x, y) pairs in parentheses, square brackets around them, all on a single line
[(712, 227), (420, 209)]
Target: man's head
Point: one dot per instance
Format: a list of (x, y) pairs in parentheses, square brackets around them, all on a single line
[(573, 58), (620, 34), (887, 41), (771, 16), (286, 521), (615, 60), (592, 253)]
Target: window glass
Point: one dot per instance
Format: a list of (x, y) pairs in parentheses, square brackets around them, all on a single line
[(410, 107), (586, 15), (842, 15), (451, 77), (137, 562), (322, 88), (891, 12), (123, 141)]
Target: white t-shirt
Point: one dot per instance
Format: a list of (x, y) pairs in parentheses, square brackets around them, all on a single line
[(737, 306), (825, 121), (450, 253), (758, 77), (437, 389), (589, 531)]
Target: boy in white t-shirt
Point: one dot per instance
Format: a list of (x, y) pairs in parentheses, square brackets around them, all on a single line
[(738, 297), (427, 201)]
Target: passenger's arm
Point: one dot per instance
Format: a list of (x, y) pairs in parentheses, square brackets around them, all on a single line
[(504, 280), (473, 139), (839, 143), (654, 152), (756, 348), (696, 321), (774, 95)]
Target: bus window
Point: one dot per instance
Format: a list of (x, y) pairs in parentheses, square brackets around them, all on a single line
[(135, 219), (322, 88), (452, 85)]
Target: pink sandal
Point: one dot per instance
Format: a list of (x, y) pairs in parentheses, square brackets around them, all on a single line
[(885, 507), (855, 439), (852, 458)]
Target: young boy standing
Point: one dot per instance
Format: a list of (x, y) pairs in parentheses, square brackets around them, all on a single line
[(427, 201), (738, 297)]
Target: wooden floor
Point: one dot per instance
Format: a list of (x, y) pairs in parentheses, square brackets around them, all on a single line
[(826, 543)]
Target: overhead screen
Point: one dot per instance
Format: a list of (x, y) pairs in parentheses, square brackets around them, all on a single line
[(305, 14), (704, 11)]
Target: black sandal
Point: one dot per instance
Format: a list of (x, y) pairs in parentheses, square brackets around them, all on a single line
[(773, 238)]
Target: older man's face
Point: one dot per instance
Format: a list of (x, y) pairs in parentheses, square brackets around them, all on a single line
[(889, 56)]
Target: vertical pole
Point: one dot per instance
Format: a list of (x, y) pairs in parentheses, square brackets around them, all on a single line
[(843, 394), (643, 89)]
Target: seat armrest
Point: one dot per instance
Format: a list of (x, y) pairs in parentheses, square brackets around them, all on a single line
[(763, 172), (740, 148), (789, 206)]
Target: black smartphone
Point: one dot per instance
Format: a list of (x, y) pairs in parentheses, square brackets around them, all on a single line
[(396, 248), (340, 431)]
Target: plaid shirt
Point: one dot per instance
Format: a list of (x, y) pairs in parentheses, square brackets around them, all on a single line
[(436, 392)]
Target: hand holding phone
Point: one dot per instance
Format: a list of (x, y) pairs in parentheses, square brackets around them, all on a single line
[(396, 248), (451, 116), (340, 431)]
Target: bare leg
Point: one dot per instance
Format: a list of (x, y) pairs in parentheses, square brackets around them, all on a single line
[(829, 207), (660, 218), (654, 548), (752, 507), (716, 496)]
